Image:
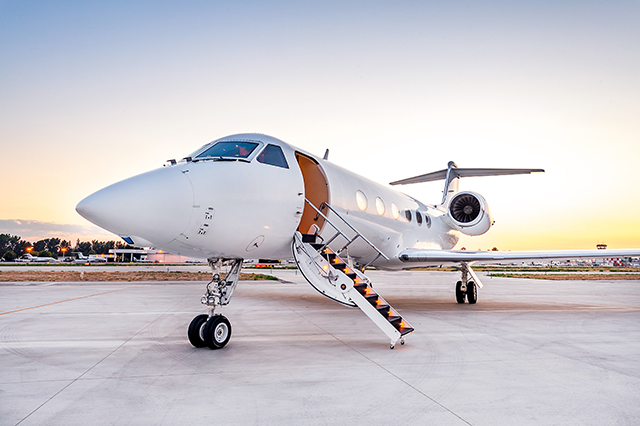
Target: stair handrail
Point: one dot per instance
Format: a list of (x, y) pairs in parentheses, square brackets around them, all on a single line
[(327, 219), (358, 234)]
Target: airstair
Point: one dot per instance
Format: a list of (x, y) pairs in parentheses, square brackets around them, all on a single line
[(333, 274)]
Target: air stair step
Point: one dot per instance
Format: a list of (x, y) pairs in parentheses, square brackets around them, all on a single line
[(361, 288), (309, 238), (384, 310), (395, 320), (328, 255), (406, 330), (334, 260), (372, 298)]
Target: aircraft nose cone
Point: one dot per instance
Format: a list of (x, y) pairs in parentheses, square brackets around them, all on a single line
[(154, 206)]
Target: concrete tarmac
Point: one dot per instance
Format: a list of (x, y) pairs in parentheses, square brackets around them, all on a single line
[(116, 353)]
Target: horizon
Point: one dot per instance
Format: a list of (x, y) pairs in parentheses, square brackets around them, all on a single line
[(93, 93)]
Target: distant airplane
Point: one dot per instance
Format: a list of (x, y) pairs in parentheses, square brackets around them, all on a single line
[(29, 258), (255, 196), (79, 257), (136, 260)]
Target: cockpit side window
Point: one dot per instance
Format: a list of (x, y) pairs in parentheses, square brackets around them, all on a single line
[(273, 155), (230, 149)]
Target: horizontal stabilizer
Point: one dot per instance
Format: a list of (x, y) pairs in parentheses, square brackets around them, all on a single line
[(457, 172)]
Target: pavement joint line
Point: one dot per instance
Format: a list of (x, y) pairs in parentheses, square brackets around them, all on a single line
[(100, 361), (69, 300), (383, 368), (316, 325), (551, 355), (177, 303), (408, 384)]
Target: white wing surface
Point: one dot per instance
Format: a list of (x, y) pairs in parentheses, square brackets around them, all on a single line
[(433, 257)]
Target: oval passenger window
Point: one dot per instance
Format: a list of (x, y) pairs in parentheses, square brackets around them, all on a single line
[(380, 206), (361, 199), (394, 211)]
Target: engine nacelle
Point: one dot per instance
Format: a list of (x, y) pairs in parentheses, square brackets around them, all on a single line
[(469, 213)]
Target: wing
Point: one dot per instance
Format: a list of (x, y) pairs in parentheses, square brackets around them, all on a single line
[(415, 257)]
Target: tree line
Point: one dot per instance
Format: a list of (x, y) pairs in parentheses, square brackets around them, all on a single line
[(12, 247)]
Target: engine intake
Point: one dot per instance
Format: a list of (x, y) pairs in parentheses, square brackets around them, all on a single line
[(465, 208), (469, 213)]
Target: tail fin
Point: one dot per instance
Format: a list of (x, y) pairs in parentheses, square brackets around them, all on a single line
[(452, 174)]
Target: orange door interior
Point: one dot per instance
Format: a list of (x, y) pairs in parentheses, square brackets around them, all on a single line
[(316, 190)]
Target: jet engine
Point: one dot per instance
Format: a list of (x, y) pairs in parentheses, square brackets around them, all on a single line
[(469, 213)]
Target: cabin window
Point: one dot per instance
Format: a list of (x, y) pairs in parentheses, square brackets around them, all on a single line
[(380, 207), (230, 149), (273, 155), (427, 219), (407, 214), (394, 211), (419, 218), (361, 199)]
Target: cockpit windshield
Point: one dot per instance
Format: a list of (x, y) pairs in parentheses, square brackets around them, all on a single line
[(230, 149)]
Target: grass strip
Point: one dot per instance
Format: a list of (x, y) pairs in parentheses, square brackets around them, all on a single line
[(58, 276), (572, 277)]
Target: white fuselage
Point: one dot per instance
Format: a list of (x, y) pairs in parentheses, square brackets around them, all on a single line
[(221, 208)]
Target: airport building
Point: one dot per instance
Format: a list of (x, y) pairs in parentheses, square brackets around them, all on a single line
[(146, 256)]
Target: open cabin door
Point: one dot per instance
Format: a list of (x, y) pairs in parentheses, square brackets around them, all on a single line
[(316, 190)]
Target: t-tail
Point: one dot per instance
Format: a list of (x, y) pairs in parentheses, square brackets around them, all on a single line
[(467, 211)]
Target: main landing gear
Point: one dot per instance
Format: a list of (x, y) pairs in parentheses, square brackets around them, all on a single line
[(466, 288), (214, 330)]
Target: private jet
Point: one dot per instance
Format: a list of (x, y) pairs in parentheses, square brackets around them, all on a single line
[(79, 257), (27, 257), (254, 196)]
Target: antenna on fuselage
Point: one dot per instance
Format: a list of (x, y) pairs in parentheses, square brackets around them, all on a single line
[(326, 154)]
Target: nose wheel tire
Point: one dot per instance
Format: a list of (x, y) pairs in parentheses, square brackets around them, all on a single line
[(459, 293), (196, 331), (217, 332)]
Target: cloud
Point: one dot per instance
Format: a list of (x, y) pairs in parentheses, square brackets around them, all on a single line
[(34, 230)]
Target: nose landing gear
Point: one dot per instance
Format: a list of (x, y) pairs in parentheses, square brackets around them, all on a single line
[(196, 331), (214, 330), (217, 332)]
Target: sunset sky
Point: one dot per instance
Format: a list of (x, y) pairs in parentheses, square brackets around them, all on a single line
[(95, 92)]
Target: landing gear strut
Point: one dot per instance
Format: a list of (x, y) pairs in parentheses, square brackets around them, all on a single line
[(214, 330), (466, 288)]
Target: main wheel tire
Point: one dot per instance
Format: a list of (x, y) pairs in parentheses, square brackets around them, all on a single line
[(196, 331), (472, 292), (459, 292), (217, 332)]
